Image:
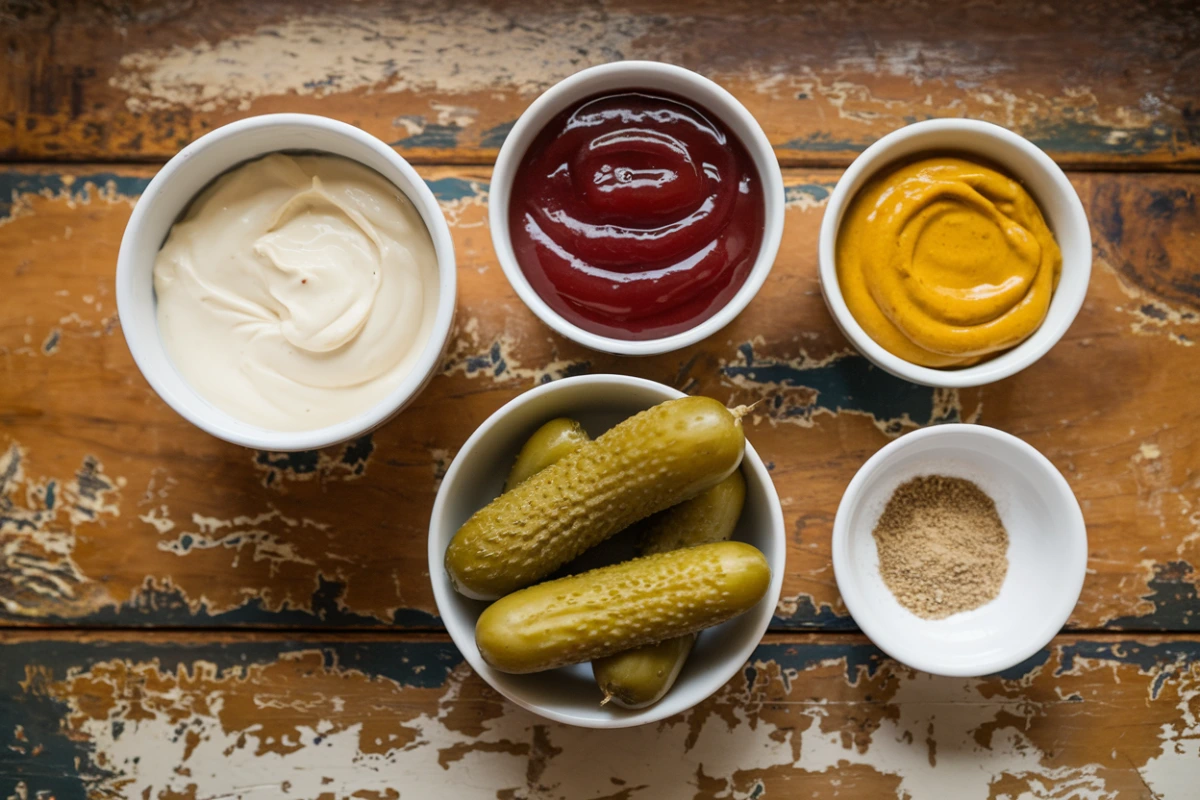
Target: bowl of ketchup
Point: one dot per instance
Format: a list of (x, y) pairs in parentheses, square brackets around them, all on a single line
[(636, 207)]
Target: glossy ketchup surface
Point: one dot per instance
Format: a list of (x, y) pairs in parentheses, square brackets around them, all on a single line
[(636, 215)]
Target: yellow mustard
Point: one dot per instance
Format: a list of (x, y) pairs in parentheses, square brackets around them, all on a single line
[(945, 262)]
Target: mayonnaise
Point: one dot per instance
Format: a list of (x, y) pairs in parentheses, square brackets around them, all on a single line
[(297, 291)]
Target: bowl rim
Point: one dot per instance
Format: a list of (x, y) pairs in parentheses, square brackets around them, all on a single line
[(1057, 321), (888, 640), (195, 408), (463, 635), (638, 73)]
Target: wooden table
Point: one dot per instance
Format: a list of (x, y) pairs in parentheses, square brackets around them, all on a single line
[(183, 618)]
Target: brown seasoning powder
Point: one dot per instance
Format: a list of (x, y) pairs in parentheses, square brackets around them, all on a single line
[(942, 547)]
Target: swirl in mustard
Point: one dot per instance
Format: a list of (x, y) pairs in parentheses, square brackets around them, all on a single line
[(945, 262)]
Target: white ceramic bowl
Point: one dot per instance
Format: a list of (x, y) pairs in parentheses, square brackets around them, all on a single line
[(1041, 177), (475, 478), (166, 199), (1047, 551), (653, 76)]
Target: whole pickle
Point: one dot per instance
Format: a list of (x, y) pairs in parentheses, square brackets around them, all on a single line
[(640, 677), (548, 445), (651, 461), (611, 609)]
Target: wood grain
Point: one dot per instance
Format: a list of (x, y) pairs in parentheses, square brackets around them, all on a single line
[(1096, 83), (305, 657), (113, 510), (208, 715)]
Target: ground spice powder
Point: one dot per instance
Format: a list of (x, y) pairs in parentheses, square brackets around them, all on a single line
[(942, 547)]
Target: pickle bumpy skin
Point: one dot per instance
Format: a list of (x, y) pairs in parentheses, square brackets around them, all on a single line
[(616, 608), (649, 462), (549, 444), (641, 677)]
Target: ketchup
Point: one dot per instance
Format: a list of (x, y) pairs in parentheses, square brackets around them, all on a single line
[(636, 215)]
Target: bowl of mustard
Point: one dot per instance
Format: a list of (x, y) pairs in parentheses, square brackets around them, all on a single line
[(954, 253)]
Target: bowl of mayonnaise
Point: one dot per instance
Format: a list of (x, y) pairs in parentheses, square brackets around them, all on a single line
[(287, 282)]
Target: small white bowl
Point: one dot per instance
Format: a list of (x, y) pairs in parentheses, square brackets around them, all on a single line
[(1047, 551), (168, 196), (1040, 176), (623, 76), (475, 478)]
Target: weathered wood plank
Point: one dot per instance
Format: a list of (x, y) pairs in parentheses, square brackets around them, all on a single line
[(1103, 82), (816, 715), (115, 511)]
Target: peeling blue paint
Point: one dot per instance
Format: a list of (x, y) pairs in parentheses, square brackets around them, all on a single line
[(354, 455), (805, 656), (14, 184), (1159, 681), (1069, 135), (808, 617), (1145, 657), (358, 452), (817, 192), (432, 135), (846, 383), (1026, 667), (494, 137), (155, 607), (301, 463), (65, 767), (447, 190), (493, 362), (1175, 598)]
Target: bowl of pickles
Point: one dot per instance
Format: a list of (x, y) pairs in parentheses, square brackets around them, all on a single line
[(607, 551)]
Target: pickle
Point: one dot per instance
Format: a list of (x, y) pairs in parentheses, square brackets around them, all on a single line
[(612, 609), (549, 443), (640, 677), (708, 517), (651, 461)]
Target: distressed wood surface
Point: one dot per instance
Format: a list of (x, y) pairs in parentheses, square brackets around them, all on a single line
[(115, 513), (209, 715), (1105, 82), (113, 510)]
